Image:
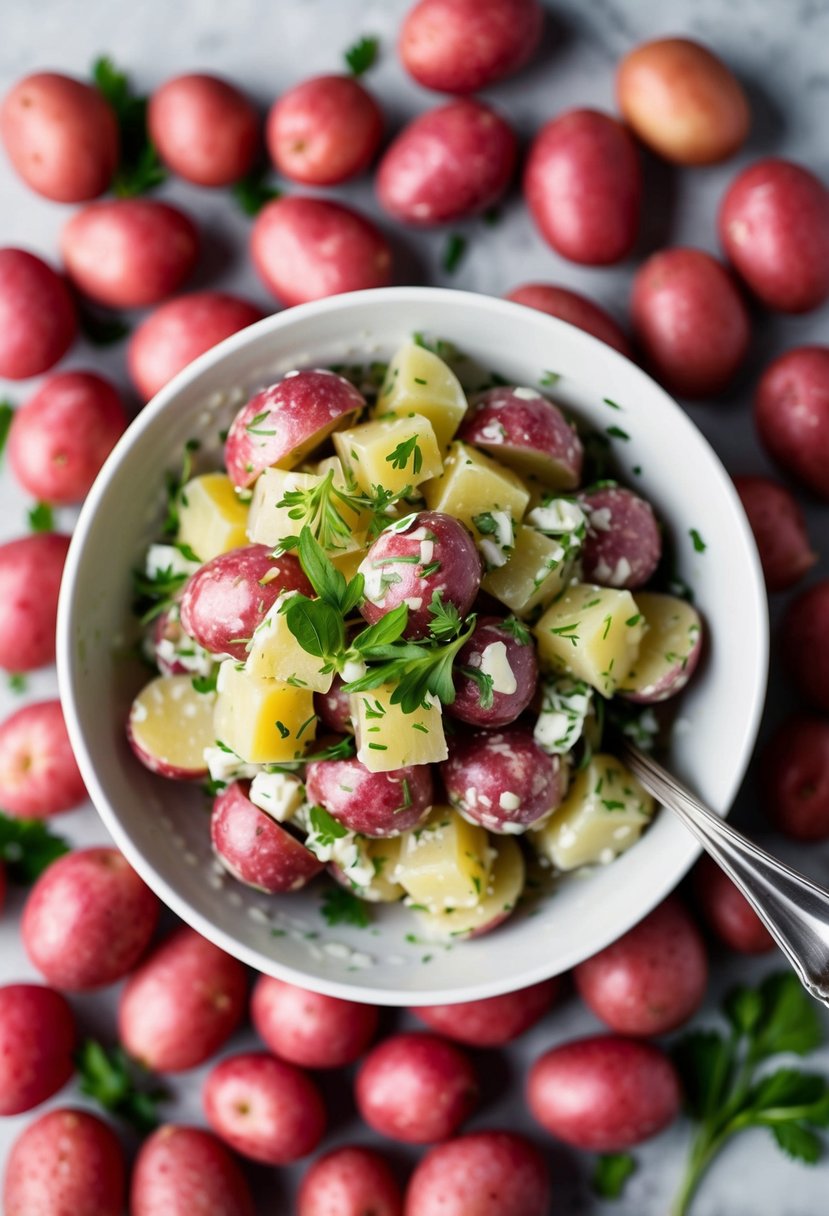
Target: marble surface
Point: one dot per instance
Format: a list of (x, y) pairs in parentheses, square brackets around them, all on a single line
[(779, 48)]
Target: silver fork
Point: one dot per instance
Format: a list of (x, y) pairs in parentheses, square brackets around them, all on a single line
[(793, 908)]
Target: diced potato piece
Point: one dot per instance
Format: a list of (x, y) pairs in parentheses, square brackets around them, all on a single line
[(348, 561), (383, 855), (603, 815), (211, 516), (393, 453), (540, 566), (170, 725), (388, 738), (262, 721), (269, 523), (472, 484), (445, 863), (418, 382), (670, 648), (275, 654), (593, 633), (501, 894)]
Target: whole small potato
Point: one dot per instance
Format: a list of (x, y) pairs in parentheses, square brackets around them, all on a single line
[(67, 1163), (490, 1173), (791, 409), (37, 316), (61, 136), (582, 183), (324, 130), (494, 1021), (129, 252), (805, 634), (690, 321), (416, 1088), (796, 777), (779, 530), (576, 309), (682, 101), (374, 804), (728, 912), (461, 46), (30, 574), (37, 1039), (204, 128), (774, 228), (308, 248), (308, 1028), (39, 775), (185, 1171), (350, 1181)]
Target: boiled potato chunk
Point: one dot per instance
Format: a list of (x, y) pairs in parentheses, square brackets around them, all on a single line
[(275, 654), (539, 567), (170, 725), (603, 815), (262, 721), (211, 516), (472, 484), (388, 738), (269, 523), (670, 648), (348, 561), (390, 452), (445, 863), (418, 382), (593, 633), (501, 894), (383, 855)]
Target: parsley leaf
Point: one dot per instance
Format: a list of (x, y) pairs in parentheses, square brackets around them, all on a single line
[(408, 450), (119, 1085), (325, 827), (454, 252), (206, 684), (100, 330), (27, 848), (611, 1173), (139, 168), (254, 191), (154, 593), (17, 682), (341, 907), (697, 541), (485, 683), (362, 55), (516, 629), (41, 517), (6, 416)]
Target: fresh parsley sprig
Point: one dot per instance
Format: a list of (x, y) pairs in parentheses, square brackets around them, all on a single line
[(139, 168), (120, 1085), (362, 55), (27, 848), (6, 416), (320, 507), (154, 593), (340, 907)]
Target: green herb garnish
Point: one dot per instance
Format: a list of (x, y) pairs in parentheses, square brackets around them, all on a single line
[(253, 191), (139, 168), (697, 541), (340, 907), (325, 826), (611, 1173), (454, 252), (6, 416), (28, 847), (41, 517), (362, 55), (120, 1085)]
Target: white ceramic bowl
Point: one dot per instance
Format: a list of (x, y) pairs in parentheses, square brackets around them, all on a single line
[(162, 826)]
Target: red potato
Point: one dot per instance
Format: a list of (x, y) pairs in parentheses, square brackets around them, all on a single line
[(447, 164), (30, 574), (66, 1163), (605, 1093), (523, 429), (167, 628), (283, 424), (583, 185), (350, 1181), (623, 543), (728, 912), (61, 136), (38, 772), (182, 1003), (462, 46), (416, 1088), (181, 330), (690, 321), (669, 652), (489, 1173), (129, 252), (254, 848), (791, 410), (779, 530), (264, 1108), (88, 920), (502, 779), (324, 130), (494, 1021), (204, 128), (169, 726), (774, 229), (333, 708), (185, 1171), (494, 647), (796, 778), (373, 804), (805, 633), (576, 309), (308, 248), (37, 1039), (310, 1029), (38, 322)]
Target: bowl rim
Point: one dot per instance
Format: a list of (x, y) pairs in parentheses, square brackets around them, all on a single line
[(224, 939)]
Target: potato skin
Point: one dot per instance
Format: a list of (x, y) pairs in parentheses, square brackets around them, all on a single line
[(416, 1088), (510, 422), (791, 409), (489, 770), (30, 574), (66, 1162), (727, 911), (796, 777), (334, 708), (255, 849), (494, 1021), (805, 633), (488, 1173), (349, 1181), (576, 309), (38, 321), (461, 46), (39, 775), (779, 530), (37, 1039), (505, 707), (374, 804), (324, 130), (310, 1029), (204, 128), (629, 533), (186, 1171)]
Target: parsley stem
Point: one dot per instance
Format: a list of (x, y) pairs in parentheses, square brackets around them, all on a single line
[(703, 1153)]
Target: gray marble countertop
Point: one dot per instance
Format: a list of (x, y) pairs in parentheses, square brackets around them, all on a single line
[(779, 47)]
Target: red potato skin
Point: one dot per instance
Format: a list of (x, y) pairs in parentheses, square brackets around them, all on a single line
[(416, 1088), (38, 321), (309, 248), (39, 776), (37, 1039), (779, 530), (182, 1003), (796, 778), (574, 308), (324, 130), (690, 321), (791, 410), (502, 419), (506, 707), (185, 1171), (462, 46), (632, 534), (350, 1181), (374, 804), (605, 1093), (494, 1021), (129, 252), (805, 633), (334, 708), (30, 574), (204, 128), (254, 848), (774, 229), (727, 911), (491, 1173), (61, 136), (67, 1163), (310, 1029), (447, 164), (583, 186), (492, 764)]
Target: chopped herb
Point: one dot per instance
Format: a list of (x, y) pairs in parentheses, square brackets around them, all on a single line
[(282, 728), (567, 631), (697, 541), (325, 826), (154, 593), (492, 216), (340, 907), (27, 847), (254, 427), (139, 168), (485, 523), (409, 449), (6, 416), (608, 621), (454, 252), (17, 682), (548, 379), (485, 685), (634, 620), (516, 629), (187, 553), (206, 683), (613, 405), (254, 191), (362, 55), (616, 432), (101, 330), (407, 800), (120, 1085), (637, 469), (611, 1173), (41, 517)]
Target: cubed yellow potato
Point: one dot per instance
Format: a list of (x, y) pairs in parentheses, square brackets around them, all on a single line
[(348, 561), (419, 382), (472, 484), (262, 721), (603, 815), (211, 516), (500, 897), (269, 523), (391, 452), (388, 738), (593, 633), (275, 654), (445, 863), (538, 569), (382, 856)]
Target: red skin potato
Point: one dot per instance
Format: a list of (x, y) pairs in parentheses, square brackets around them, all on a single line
[(37, 1039), (226, 599), (690, 321), (774, 229), (182, 1003), (495, 764), (66, 1163), (185, 1171), (204, 128), (779, 530), (255, 848), (3, 886), (508, 420), (489, 1173), (605, 1093), (652, 979), (574, 308), (582, 183), (416, 1088), (38, 772), (181, 330), (88, 920), (728, 912), (506, 707), (334, 708), (796, 778), (447, 164), (631, 535), (310, 1029), (30, 574), (61, 136), (374, 804), (264, 1108), (350, 1181), (308, 248), (324, 130), (462, 46), (38, 321), (129, 252), (494, 1021), (805, 633), (167, 627), (791, 410)]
